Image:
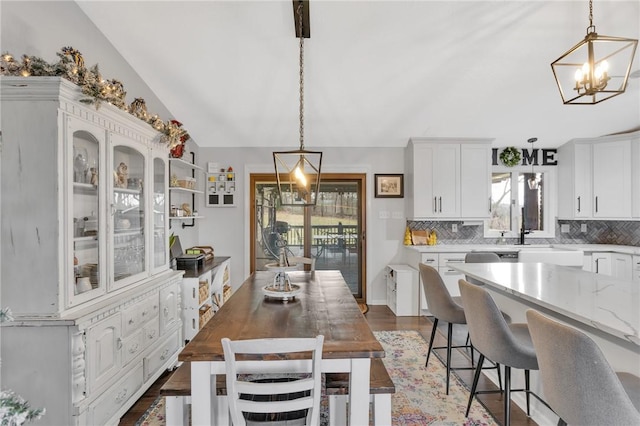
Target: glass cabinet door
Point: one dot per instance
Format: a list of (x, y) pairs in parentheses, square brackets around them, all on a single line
[(85, 157), (128, 214), (159, 218)]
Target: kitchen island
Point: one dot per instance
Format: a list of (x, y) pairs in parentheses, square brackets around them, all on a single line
[(604, 307)]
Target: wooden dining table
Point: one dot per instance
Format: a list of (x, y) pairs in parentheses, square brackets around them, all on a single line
[(325, 305)]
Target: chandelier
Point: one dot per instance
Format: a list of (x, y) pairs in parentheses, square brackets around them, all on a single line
[(298, 171), (595, 69)]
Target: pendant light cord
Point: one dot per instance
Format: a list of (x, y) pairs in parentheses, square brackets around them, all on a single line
[(299, 11)]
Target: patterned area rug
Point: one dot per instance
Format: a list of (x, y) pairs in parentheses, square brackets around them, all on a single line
[(420, 392)]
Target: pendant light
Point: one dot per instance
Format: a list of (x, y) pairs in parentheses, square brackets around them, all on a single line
[(595, 69), (533, 180), (298, 171)]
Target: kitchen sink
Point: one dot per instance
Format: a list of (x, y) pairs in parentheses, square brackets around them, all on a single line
[(551, 255)]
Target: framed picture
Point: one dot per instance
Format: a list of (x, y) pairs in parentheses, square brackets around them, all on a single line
[(389, 186)]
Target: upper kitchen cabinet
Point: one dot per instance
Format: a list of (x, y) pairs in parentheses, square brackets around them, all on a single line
[(448, 178), (84, 190), (596, 178)]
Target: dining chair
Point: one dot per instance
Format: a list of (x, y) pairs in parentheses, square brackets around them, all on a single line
[(577, 380), (443, 307), (506, 344), (245, 395), (299, 260)]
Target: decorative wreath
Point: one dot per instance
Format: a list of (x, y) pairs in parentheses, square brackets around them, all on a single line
[(510, 156)]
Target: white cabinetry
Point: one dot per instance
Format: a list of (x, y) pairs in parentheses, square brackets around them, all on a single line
[(85, 257), (635, 177), (619, 265), (402, 290), (203, 294), (636, 267), (439, 261), (596, 176), (449, 275), (448, 179)]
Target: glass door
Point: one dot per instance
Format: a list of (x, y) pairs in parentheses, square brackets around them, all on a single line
[(159, 215), (86, 221), (331, 231), (128, 214)]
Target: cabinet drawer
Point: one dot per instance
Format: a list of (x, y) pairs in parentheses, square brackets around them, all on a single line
[(160, 356), (131, 319), (445, 258), (132, 347), (430, 259), (151, 332), (105, 407), (149, 309)]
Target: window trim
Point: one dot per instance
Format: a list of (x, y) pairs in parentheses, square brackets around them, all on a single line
[(550, 198)]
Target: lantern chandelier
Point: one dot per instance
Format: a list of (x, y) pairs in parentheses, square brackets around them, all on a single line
[(595, 69), (298, 171)]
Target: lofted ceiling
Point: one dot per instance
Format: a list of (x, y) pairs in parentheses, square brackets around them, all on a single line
[(376, 72)]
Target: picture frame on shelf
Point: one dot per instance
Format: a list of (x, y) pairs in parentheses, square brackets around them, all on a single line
[(389, 185)]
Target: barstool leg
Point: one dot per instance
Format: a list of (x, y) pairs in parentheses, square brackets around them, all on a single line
[(526, 386), (433, 336), (507, 395), (499, 377), (449, 338), (476, 377)]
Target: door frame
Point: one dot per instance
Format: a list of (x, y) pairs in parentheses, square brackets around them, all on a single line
[(362, 213)]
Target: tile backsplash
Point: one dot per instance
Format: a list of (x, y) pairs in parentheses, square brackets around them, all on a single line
[(617, 232)]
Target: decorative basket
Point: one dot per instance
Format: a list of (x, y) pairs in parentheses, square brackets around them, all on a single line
[(226, 293), (203, 291), (205, 315)]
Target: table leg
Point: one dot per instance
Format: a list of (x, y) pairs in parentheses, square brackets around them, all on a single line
[(359, 391), (201, 393)]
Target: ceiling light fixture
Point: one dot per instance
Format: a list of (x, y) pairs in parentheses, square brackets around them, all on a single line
[(594, 69), (533, 180), (298, 171)]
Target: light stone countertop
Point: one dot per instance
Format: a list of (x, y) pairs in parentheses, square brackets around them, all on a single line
[(606, 303), (587, 248)]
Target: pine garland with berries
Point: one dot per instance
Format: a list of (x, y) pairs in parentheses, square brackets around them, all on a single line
[(70, 66)]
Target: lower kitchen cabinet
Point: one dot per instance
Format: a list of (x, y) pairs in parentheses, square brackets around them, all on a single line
[(203, 293), (91, 366), (402, 290)]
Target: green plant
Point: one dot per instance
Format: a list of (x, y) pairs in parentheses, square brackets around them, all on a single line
[(510, 156)]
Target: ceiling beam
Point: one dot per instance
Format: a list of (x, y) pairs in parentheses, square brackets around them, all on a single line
[(306, 28)]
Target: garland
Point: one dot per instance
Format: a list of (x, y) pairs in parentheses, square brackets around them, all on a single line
[(510, 156), (71, 66)]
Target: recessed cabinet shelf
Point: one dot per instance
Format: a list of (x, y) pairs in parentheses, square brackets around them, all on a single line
[(221, 189)]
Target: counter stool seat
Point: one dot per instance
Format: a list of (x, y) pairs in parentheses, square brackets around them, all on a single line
[(446, 308), (577, 380), (506, 344)]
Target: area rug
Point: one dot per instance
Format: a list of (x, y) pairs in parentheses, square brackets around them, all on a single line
[(420, 397)]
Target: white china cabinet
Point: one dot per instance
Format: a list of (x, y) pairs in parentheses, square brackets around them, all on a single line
[(85, 259)]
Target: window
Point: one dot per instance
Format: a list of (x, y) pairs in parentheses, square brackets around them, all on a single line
[(511, 197)]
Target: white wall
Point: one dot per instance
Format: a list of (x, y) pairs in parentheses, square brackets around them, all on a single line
[(227, 228), (42, 28)]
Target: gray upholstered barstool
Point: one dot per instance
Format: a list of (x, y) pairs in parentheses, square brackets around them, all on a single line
[(479, 257), (443, 307), (578, 382), (506, 344)]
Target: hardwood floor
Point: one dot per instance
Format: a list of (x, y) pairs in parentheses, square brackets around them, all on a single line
[(381, 318)]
